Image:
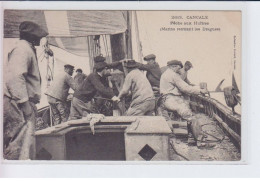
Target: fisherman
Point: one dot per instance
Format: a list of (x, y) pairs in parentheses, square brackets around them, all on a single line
[(22, 90), (184, 72), (82, 104), (79, 77), (143, 101), (105, 79), (153, 71), (112, 65), (172, 87), (58, 92)]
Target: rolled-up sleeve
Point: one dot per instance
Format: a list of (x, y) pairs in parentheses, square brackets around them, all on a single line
[(184, 87), (19, 62)]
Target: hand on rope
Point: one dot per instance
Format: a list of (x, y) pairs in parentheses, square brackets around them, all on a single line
[(115, 99)]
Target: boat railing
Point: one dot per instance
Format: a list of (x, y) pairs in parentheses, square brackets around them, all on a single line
[(228, 120)]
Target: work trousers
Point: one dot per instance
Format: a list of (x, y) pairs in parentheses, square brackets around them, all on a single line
[(144, 108), (80, 109), (19, 139), (58, 109), (176, 104)]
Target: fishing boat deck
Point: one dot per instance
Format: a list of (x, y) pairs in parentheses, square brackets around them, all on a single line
[(222, 150)]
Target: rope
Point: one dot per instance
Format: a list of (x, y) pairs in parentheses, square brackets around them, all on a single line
[(107, 47), (177, 153)]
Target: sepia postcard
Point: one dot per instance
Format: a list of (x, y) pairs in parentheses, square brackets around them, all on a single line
[(122, 85)]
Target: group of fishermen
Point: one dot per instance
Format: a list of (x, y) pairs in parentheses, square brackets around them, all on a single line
[(144, 90), (22, 90)]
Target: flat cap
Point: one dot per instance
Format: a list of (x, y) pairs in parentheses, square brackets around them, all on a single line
[(99, 58), (148, 57), (175, 62), (69, 66), (32, 28), (131, 64), (188, 63), (100, 65)]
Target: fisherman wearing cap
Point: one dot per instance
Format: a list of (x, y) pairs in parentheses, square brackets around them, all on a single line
[(143, 101), (22, 90), (93, 85), (184, 72), (112, 65), (153, 71), (172, 86), (105, 79), (58, 92)]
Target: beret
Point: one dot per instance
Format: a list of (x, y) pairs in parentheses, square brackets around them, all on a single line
[(99, 58), (32, 28), (174, 62), (148, 57), (188, 63), (69, 66), (131, 64), (100, 65)]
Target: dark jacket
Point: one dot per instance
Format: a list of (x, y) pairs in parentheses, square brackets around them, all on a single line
[(92, 85), (79, 78), (153, 73)]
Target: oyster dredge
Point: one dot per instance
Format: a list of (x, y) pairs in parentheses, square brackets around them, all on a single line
[(127, 108)]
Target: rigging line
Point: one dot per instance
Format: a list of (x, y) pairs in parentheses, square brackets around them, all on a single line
[(107, 47), (90, 58), (139, 49), (104, 44)]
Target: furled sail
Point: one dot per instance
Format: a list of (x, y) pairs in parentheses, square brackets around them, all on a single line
[(67, 29)]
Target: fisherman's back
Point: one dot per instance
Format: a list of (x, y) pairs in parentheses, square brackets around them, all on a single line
[(139, 86), (59, 88)]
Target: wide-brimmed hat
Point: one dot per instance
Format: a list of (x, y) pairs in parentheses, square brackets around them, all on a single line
[(32, 29), (149, 57), (174, 62), (131, 64), (69, 66), (99, 58), (100, 65), (188, 63)]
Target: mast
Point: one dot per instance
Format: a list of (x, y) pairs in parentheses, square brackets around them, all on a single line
[(129, 35), (139, 48)]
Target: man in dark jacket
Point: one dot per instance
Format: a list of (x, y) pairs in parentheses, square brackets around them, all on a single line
[(81, 104), (153, 73)]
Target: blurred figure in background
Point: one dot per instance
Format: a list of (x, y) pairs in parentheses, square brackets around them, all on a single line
[(184, 72), (79, 77)]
